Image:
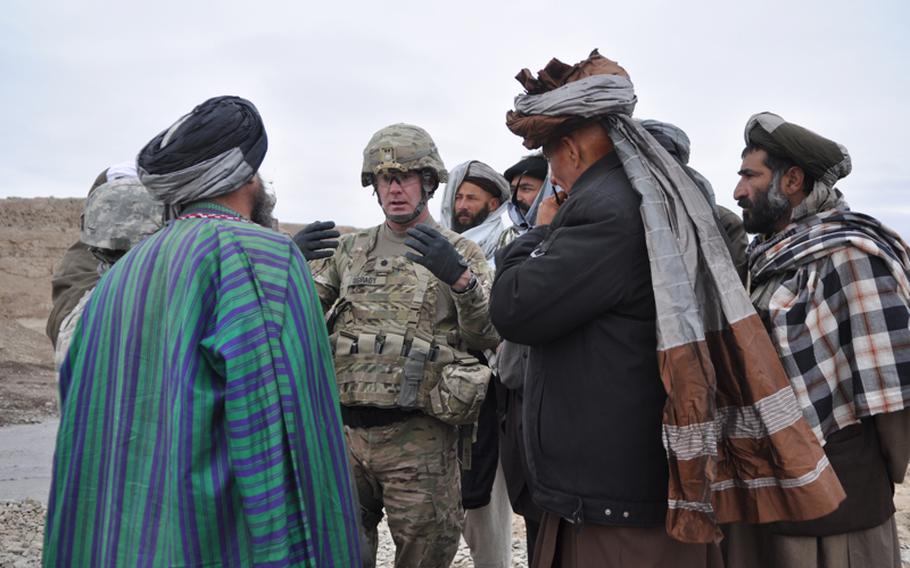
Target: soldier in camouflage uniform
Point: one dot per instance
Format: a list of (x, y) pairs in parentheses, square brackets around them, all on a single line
[(406, 301), (118, 213)]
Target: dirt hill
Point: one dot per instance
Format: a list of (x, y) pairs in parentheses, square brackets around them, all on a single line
[(34, 234)]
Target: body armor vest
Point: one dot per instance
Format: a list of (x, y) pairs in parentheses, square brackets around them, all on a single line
[(388, 352)]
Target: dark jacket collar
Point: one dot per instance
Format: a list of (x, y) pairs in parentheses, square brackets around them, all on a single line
[(598, 169)]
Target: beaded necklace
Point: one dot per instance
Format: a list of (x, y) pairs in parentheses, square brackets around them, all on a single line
[(222, 216)]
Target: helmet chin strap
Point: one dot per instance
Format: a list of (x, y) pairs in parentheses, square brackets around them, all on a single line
[(407, 218)]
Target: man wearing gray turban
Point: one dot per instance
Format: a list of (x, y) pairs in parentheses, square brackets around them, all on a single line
[(833, 288), (655, 406), (476, 204)]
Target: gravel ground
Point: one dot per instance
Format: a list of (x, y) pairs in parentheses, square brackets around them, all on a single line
[(22, 525), (21, 530), (385, 557)]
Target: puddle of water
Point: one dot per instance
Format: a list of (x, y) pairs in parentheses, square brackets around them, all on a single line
[(26, 454)]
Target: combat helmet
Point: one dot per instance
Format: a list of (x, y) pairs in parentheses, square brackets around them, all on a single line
[(403, 147), (119, 213)]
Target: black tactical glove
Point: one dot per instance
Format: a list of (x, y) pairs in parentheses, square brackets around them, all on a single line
[(316, 239), (436, 253)]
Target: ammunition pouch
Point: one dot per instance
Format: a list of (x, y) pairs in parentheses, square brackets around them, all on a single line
[(412, 373), (459, 391), (391, 370)]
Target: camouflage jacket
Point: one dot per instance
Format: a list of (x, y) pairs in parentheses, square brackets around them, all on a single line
[(381, 307)]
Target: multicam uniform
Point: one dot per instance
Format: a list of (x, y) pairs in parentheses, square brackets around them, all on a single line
[(397, 330)]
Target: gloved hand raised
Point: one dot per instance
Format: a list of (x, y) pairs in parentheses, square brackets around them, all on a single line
[(317, 240), (436, 253)]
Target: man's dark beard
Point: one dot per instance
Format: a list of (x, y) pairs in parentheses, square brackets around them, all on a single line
[(765, 213), (262, 212), (477, 219), (522, 206)]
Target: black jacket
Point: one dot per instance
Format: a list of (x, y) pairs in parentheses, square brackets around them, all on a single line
[(579, 293), (512, 453)]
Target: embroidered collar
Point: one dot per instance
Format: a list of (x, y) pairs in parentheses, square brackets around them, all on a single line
[(210, 210)]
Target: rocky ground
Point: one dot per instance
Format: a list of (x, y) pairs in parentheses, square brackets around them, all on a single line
[(21, 525), (902, 503), (22, 522), (21, 529), (34, 233)]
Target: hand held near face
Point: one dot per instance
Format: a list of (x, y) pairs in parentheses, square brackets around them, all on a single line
[(548, 208)]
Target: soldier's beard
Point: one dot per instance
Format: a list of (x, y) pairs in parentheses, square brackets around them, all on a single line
[(472, 221)]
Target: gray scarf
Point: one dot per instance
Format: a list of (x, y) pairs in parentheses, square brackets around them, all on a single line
[(721, 372)]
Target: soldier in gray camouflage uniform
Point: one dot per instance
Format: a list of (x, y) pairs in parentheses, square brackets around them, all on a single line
[(118, 213), (406, 301)]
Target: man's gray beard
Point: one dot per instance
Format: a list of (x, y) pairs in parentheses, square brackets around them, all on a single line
[(261, 213), (768, 210)]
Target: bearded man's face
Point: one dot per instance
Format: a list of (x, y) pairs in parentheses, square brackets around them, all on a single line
[(758, 193), (525, 189), (471, 207)]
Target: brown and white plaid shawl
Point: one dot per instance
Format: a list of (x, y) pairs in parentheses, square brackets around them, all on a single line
[(840, 316), (737, 445)]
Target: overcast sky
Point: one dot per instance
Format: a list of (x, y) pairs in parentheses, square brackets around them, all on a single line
[(87, 84)]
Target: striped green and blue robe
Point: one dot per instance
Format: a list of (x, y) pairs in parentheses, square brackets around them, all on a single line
[(199, 416)]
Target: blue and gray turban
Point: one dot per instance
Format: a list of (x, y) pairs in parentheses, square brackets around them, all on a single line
[(211, 151)]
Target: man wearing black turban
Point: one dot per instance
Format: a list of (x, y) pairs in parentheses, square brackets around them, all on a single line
[(526, 178), (210, 152), (199, 418)]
